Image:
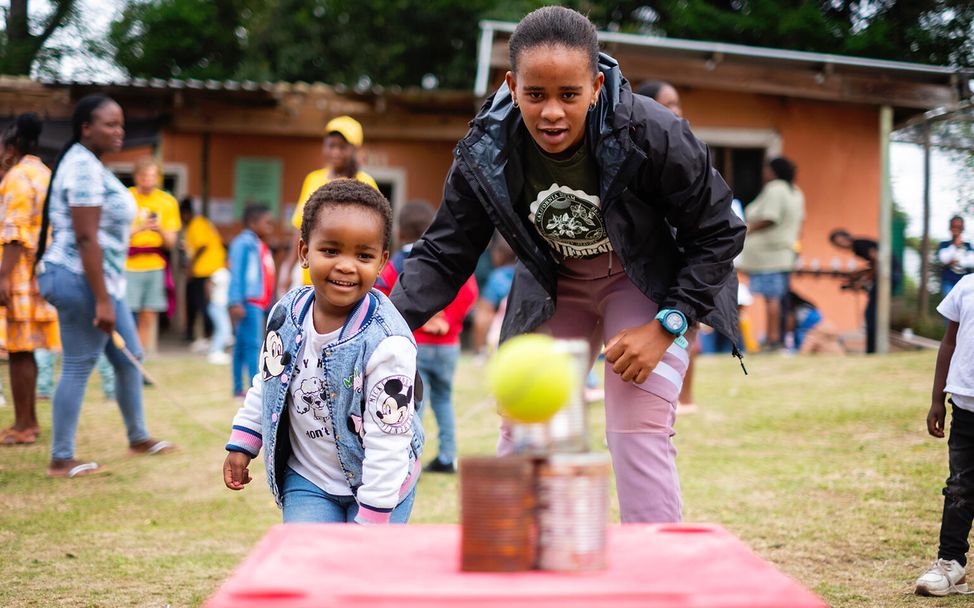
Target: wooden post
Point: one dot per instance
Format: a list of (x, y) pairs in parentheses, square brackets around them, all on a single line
[(205, 175), (885, 232), (923, 295)]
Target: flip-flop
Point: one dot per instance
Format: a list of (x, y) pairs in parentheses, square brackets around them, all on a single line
[(80, 470), (11, 437), (159, 447)]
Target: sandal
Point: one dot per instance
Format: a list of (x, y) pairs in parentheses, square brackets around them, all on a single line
[(79, 470), (151, 447), (11, 437)]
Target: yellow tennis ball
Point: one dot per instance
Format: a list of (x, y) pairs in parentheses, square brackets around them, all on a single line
[(530, 378)]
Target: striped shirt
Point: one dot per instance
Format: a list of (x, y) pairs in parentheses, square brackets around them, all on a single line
[(83, 181)]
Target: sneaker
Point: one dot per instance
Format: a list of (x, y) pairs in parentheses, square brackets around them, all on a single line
[(200, 345), (945, 577), (218, 358), (438, 466)]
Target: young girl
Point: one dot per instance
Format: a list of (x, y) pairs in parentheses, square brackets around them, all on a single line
[(333, 401), (587, 183)]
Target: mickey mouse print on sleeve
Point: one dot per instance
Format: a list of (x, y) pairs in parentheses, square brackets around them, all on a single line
[(387, 423)]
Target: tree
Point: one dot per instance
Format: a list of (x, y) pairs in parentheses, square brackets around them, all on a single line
[(931, 31), (433, 43), (185, 38), (18, 46)]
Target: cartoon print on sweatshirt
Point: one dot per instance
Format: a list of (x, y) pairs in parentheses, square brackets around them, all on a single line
[(388, 403), (273, 359), (354, 381), (310, 396)]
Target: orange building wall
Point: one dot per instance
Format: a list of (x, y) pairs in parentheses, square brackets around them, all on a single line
[(425, 163), (836, 150), (835, 146)]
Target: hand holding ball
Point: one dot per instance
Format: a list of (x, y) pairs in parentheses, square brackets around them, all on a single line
[(530, 378)]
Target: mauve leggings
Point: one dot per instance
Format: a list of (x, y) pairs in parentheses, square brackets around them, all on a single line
[(639, 418)]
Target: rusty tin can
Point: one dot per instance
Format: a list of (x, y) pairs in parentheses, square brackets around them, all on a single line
[(497, 514)]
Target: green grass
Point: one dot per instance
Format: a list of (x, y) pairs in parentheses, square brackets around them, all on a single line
[(821, 465)]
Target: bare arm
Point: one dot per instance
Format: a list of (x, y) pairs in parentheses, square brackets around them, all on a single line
[(85, 222), (759, 225), (938, 409), (11, 254)]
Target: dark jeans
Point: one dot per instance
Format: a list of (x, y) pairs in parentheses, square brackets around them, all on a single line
[(959, 493), (196, 302)]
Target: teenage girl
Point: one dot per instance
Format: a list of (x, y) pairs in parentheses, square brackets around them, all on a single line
[(587, 183)]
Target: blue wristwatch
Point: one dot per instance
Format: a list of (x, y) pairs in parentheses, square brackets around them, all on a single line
[(674, 322)]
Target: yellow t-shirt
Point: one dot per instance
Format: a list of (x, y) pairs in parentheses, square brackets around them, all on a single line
[(200, 233), (315, 180), (165, 207)]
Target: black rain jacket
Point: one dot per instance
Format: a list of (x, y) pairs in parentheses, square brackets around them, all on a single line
[(666, 210)]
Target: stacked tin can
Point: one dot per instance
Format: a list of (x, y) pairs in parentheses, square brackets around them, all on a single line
[(497, 509), (562, 524)]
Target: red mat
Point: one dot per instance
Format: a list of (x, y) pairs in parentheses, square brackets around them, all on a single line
[(666, 566)]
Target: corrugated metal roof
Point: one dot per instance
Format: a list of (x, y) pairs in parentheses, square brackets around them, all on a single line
[(730, 51)]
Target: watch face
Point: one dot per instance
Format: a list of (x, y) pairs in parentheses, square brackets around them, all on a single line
[(673, 322)]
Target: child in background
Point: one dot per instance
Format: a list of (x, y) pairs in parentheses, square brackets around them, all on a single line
[(955, 375), (337, 375), (251, 290), (438, 342), (490, 307), (217, 310)]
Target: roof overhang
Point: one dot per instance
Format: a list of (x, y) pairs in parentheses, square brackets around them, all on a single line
[(907, 87), (264, 108)]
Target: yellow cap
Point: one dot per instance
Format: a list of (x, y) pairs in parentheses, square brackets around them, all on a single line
[(347, 127)]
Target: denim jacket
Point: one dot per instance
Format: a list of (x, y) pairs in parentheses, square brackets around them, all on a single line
[(246, 269), (343, 360)]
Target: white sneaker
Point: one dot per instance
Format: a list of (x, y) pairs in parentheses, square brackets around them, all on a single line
[(199, 345), (218, 358), (945, 577)]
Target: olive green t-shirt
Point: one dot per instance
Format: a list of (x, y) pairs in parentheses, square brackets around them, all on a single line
[(562, 202)]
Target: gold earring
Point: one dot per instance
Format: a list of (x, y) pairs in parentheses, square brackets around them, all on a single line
[(304, 264)]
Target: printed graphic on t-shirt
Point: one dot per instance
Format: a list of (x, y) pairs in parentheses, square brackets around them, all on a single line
[(570, 221), (310, 396), (389, 402)]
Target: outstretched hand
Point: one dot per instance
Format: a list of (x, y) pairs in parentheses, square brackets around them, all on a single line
[(936, 418), (636, 351), (235, 473)]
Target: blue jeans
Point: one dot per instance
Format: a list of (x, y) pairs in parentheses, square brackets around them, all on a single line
[(82, 343), (45, 373), (304, 502), (221, 327), (436, 365), (246, 348)]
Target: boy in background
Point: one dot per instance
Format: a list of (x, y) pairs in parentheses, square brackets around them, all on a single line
[(252, 281), (955, 375), (437, 342)]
